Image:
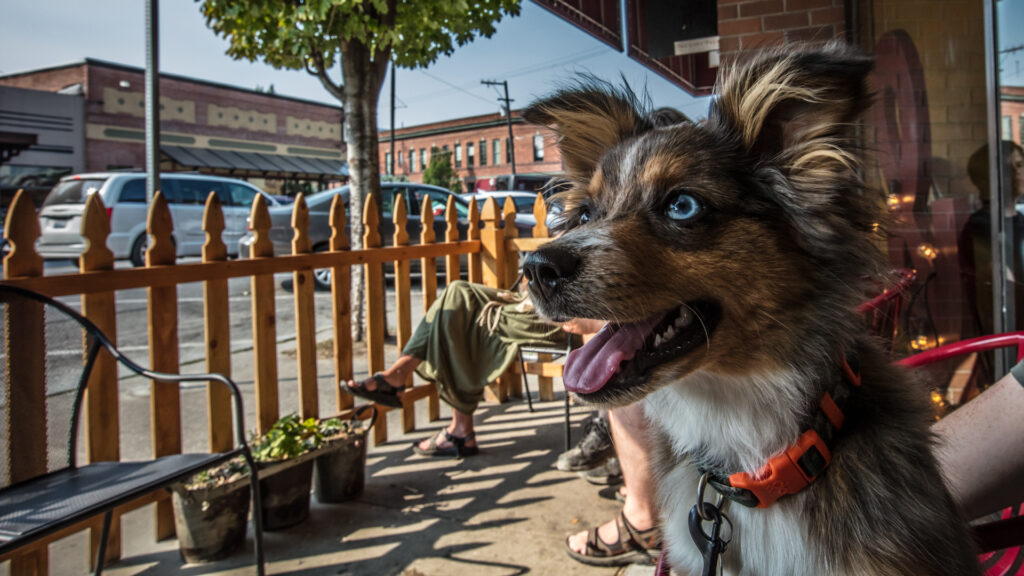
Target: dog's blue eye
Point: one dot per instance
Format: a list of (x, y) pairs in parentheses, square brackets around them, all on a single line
[(683, 207), (584, 216)]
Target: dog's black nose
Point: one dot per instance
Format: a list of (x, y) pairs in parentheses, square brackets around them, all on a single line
[(549, 268)]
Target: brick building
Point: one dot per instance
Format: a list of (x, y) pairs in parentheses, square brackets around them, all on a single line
[(479, 146), (205, 126), (1012, 114)]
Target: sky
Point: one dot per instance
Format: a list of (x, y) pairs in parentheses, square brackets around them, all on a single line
[(533, 52)]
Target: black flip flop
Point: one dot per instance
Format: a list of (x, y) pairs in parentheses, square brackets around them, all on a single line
[(385, 394)]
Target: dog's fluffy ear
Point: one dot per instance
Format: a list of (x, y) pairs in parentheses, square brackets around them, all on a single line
[(589, 118), (782, 99), (794, 111)]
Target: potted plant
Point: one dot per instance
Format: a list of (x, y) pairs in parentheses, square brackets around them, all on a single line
[(340, 468), (211, 511), (284, 456)]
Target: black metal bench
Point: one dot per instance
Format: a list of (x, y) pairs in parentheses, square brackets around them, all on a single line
[(33, 509)]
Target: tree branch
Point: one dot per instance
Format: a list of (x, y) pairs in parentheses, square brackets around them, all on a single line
[(320, 72)]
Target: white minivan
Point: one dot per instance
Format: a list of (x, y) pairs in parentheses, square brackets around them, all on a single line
[(124, 195)]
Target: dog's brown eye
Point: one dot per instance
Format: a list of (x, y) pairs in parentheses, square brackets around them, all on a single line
[(683, 207)]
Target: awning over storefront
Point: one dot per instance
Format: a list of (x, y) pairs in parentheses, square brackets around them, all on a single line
[(255, 164), (12, 143)]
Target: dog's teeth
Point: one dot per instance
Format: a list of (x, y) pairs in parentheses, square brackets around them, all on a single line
[(669, 333), (657, 341)]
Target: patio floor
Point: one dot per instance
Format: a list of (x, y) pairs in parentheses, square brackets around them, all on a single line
[(505, 511)]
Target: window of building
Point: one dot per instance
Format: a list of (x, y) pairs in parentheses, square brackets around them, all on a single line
[(1020, 127), (458, 155), (387, 162), (496, 151), (538, 148), (483, 152), (508, 151), (412, 160), (423, 159), (469, 155), (399, 159), (1007, 125)]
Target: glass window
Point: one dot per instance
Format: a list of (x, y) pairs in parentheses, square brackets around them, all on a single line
[(399, 159), (930, 157), (1020, 128), (483, 152), (412, 160), (196, 191), (496, 151), (387, 162), (469, 155), (387, 202), (538, 148), (133, 190), (1007, 128), (458, 155), (423, 159), (73, 191), (241, 195), (508, 152), (15, 176)]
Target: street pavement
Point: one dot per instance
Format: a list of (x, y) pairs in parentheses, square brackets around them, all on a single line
[(505, 511)]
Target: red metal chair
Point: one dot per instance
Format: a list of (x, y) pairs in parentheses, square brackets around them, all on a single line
[(883, 311), (1008, 531)]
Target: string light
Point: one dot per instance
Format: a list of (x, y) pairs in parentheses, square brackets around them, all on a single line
[(928, 251)]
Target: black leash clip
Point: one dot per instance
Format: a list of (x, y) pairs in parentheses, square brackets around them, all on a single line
[(711, 546)]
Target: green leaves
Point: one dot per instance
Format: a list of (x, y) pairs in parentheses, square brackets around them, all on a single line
[(285, 34), (287, 438)]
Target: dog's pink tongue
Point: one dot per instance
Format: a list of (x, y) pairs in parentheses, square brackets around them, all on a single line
[(591, 367)]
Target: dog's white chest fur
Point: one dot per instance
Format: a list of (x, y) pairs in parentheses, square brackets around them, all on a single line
[(739, 424)]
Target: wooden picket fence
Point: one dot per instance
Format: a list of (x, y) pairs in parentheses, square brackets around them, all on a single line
[(491, 246)]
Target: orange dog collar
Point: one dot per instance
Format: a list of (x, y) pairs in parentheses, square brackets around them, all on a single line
[(798, 465)]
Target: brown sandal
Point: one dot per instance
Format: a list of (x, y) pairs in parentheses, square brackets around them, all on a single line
[(638, 546)]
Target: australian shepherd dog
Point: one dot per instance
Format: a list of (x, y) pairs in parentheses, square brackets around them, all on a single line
[(728, 258)]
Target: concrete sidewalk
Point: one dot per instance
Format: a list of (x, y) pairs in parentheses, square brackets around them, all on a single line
[(504, 511)]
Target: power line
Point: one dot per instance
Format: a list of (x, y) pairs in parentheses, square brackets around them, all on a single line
[(561, 60), (453, 86)]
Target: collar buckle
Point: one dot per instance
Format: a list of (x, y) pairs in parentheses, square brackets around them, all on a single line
[(788, 472)]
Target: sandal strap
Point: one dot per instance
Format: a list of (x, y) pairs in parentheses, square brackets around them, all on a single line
[(648, 540), (383, 385), (625, 542)]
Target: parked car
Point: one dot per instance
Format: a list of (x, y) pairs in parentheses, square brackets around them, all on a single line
[(124, 195), (319, 205), (523, 202), (518, 182)]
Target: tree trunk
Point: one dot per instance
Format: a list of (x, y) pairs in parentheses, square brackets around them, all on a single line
[(363, 77)]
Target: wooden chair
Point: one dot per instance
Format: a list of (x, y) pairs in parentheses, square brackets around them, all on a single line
[(1007, 532), (34, 508)]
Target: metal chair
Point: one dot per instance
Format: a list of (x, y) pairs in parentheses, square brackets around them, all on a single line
[(1007, 532), (38, 507), (555, 353)]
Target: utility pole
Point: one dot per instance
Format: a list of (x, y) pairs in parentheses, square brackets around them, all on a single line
[(392, 166), (508, 116), (152, 99)]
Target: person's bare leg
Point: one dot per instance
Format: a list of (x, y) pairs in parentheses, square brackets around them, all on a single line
[(397, 374), (460, 427), (633, 449)]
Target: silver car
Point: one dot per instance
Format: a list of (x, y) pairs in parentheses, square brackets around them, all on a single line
[(319, 205), (124, 195)]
